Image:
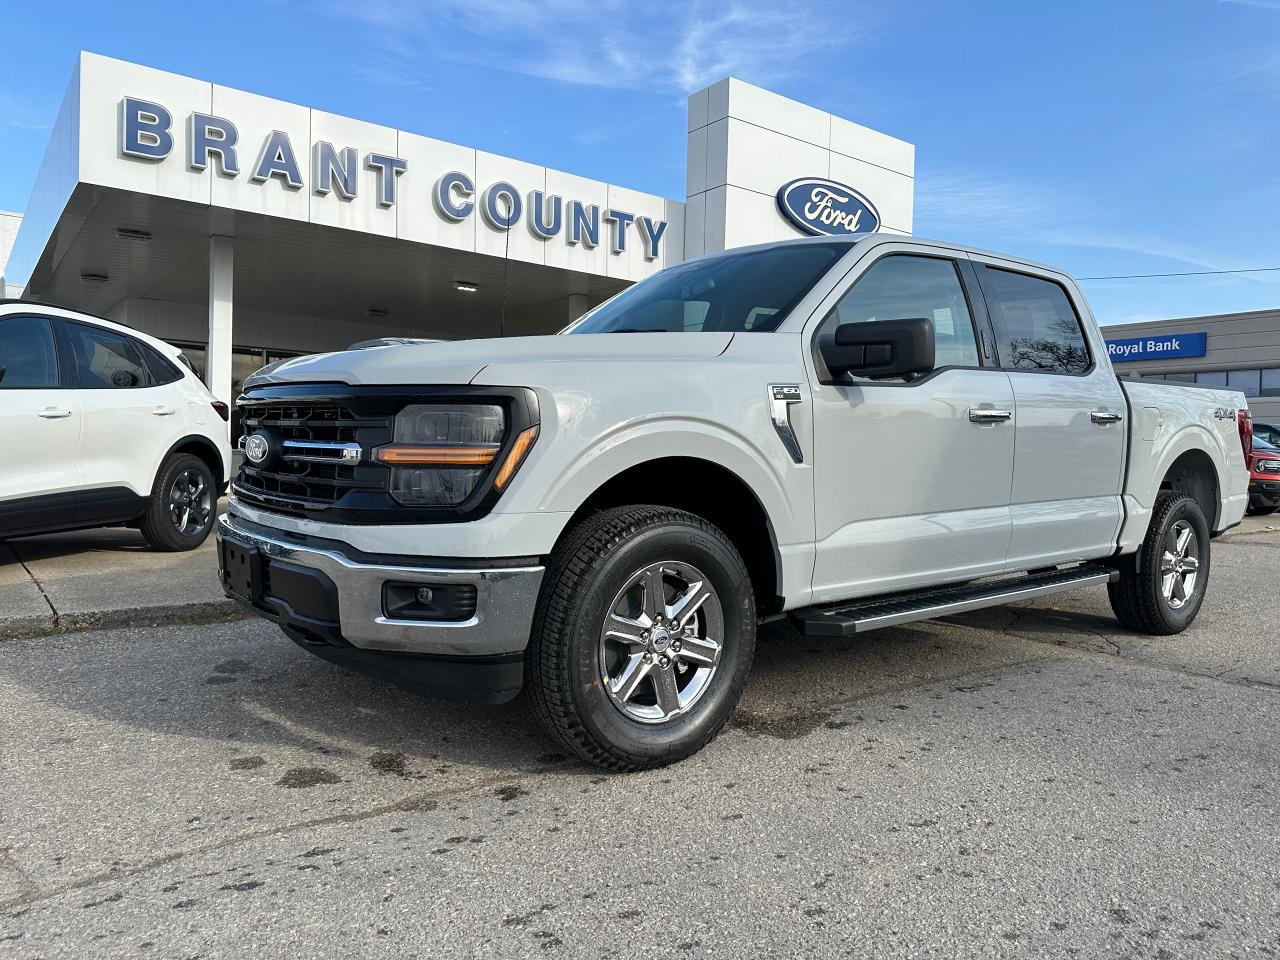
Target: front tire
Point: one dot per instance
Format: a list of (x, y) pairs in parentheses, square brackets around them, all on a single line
[(642, 639), (1262, 508), (183, 504), (1162, 586)]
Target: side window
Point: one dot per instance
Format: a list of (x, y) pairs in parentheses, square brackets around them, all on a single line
[(28, 360), (902, 287), (1036, 325), (105, 359), (161, 370)]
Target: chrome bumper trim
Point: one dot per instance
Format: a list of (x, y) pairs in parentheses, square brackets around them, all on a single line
[(505, 598)]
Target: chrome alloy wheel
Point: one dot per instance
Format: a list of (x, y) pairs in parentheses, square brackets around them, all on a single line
[(1179, 565), (190, 503), (661, 641)]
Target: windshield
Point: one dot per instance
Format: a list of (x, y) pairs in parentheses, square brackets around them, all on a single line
[(737, 293), (1260, 444)]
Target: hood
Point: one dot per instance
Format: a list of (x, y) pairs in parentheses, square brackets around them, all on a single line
[(460, 361)]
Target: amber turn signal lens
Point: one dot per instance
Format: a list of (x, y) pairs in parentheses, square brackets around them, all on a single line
[(470, 455), (519, 450)]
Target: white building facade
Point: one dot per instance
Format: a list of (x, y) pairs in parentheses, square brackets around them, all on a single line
[(245, 228)]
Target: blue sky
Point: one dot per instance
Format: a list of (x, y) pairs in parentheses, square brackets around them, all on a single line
[(1103, 137)]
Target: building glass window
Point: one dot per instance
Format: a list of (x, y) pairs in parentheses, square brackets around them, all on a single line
[(1212, 378), (1247, 382), (903, 287), (1188, 377), (1037, 325), (1270, 383), (28, 360)]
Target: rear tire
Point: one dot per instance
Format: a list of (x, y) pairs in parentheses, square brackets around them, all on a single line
[(183, 504), (1162, 586), (624, 666)]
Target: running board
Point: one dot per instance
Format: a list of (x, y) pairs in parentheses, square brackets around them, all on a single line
[(846, 619)]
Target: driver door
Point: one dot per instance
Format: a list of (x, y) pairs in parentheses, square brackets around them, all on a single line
[(913, 475)]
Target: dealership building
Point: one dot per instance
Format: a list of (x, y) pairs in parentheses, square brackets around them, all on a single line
[(247, 229)]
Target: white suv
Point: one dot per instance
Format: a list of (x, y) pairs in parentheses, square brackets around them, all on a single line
[(104, 425)]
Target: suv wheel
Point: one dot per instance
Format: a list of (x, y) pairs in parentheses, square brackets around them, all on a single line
[(183, 504), (1162, 586), (643, 637)]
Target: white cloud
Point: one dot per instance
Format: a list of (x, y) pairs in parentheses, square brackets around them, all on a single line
[(1263, 4), (609, 43), (22, 113)]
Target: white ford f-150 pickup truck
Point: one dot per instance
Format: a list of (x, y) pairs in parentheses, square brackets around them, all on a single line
[(852, 433)]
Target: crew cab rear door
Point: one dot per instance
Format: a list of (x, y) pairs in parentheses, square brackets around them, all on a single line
[(911, 475), (1069, 415)]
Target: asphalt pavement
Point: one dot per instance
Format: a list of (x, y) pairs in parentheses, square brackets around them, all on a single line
[(1021, 782)]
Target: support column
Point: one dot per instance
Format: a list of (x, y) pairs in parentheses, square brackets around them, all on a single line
[(217, 371), (579, 303)]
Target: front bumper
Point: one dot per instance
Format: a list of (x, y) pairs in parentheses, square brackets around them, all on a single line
[(1264, 491), (333, 605)]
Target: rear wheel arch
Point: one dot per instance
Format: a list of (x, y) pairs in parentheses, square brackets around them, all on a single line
[(202, 448), (1194, 474)]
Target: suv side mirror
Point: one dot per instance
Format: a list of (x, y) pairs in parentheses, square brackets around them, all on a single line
[(879, 348)]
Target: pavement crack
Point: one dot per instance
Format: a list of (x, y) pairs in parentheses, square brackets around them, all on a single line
[(57, 617), (422, 801)]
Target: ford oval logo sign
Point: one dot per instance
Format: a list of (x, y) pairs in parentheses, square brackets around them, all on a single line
[(823, 206)]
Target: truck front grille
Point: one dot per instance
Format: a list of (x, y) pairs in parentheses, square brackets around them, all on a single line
[(315, 457)]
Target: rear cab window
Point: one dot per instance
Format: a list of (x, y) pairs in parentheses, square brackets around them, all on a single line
[(1037, 328)]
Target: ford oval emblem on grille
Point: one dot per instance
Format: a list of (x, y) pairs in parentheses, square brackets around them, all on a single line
[(820, 206), (256, 447)]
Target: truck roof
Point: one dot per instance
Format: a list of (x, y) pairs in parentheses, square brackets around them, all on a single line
[(878, 239)]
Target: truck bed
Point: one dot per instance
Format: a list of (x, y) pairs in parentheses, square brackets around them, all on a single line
[(1175, 424)]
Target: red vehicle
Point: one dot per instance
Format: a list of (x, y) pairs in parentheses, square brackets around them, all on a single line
[(1264, 477)]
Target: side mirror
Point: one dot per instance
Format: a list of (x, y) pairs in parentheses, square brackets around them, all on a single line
[(879, 348)]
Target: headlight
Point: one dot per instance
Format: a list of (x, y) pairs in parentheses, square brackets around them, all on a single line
[(440, 452)]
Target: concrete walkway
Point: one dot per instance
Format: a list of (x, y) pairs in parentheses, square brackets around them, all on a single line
[(109, 577)]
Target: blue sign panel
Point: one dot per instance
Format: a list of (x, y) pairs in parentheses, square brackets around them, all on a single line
[(1163, 347), (824, 206)]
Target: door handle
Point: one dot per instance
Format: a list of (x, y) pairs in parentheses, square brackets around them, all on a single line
[(1105, 416), (54, 413), (163, 411), (989, 415)]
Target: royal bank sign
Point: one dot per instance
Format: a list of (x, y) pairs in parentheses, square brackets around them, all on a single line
[(147, 134)]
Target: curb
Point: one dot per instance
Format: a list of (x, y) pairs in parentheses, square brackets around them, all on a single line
[(209, 611)]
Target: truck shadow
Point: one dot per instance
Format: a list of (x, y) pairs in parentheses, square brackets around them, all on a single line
[(248, 698)]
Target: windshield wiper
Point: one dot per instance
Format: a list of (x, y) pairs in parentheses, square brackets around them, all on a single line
[(638, 330)]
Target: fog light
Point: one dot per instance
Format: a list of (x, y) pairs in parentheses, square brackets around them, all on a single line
[(448, 602)]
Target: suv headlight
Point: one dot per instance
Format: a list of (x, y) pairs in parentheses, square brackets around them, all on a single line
[(442, 451)]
